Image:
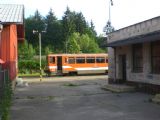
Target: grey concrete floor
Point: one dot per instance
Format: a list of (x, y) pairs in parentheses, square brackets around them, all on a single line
[(77, 98)]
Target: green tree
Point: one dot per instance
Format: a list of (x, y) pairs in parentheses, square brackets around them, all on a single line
[(68, 26), (48, 50), (72, 44), (88, 44), (92, 28), (68, 22), (31, 51), (101, 41), (80, 22), (35, 22), (59, 33), (53, 34), (25, 51), (84, 42)]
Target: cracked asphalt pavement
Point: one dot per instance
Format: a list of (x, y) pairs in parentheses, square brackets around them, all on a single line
[(79, 98)]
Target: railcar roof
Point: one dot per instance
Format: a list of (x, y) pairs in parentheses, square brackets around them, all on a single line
[(99, 54)]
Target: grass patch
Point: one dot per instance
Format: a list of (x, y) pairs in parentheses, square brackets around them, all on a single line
[(30, 75)]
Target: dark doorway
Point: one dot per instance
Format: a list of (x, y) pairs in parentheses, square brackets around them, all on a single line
[(122, 68), (59, 64)]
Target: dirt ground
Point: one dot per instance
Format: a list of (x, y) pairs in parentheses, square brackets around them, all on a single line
[(79, 98)]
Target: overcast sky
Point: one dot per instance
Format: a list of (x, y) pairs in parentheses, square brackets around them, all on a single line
[(123, 12)]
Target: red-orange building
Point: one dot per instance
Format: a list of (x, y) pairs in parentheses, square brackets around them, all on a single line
[(12, 33)]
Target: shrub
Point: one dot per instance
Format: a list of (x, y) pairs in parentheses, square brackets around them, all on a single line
[(30, 66)]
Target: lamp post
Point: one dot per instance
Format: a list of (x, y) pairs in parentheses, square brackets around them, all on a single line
[(40, 50), (108, 28), (110, 4)]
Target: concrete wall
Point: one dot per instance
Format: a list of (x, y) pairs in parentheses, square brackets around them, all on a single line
[(145, 77), (141, 28)]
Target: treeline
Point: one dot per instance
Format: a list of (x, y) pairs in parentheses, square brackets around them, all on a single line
[(71, 34)]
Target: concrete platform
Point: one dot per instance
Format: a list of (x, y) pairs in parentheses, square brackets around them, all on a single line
[(156, 99), (119, 88)]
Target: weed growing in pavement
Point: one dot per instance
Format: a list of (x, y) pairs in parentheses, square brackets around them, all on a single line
[(70, 85), (41, 98)]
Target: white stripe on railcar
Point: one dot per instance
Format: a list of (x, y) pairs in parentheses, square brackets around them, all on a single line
[(67, 67), (92, 68), (51, 67)]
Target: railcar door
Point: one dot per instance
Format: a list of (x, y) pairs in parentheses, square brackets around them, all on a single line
[(59, 65)]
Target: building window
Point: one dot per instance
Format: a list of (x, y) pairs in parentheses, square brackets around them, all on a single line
[(155, 57), (137, 58)]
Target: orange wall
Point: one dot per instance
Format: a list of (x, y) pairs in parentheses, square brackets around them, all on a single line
[(9, 49)]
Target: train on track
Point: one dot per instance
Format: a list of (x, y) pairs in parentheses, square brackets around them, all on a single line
[(63, 64)]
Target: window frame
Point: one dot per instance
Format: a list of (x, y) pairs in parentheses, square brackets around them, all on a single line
[(153, 57), (137, 57)]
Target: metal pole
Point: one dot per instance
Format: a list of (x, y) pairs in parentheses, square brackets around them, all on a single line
[(110, 4), (109, 11), (40, 57)]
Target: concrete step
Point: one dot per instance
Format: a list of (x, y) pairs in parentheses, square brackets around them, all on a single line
[(119, 88), (156, 99)]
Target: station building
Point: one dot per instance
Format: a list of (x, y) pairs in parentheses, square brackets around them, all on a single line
[(134, 55)]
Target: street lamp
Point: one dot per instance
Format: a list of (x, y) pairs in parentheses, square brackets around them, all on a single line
[(40, 53), (108, 28), (110, 4)]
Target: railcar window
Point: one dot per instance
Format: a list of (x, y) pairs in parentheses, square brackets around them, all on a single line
[(100, 60), (90, 60), (80, 60), (52, 60), (71, 60)]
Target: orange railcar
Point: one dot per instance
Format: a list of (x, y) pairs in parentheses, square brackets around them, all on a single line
[(61, 64)]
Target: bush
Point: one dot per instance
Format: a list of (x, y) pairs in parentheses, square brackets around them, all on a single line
[(30, 66)]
